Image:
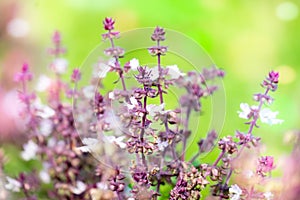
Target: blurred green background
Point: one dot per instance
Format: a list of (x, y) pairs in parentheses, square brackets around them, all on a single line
[(245, 38)]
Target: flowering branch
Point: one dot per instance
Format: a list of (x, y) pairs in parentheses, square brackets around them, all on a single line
[(254, 113), (133, 128), (114, 51)]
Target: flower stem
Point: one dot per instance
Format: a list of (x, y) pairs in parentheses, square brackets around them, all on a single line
[(255, 118), (143, 130), (186, 124), (219, 158), (159, 78), (117, 63)]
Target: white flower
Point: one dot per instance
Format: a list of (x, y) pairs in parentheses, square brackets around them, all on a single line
[(30, 150), (116, 140), (266, 115), (89, 91), (133, 102), (134, 64), (44, 111), (79, 189), (114, 122), (161, 144), (154, 109), (268, 195), (103, 70), (235, 192), (174, 72), (44, 175), (91, 144), (46, 127), (60, 65), (51, 142), (269, 117), (47, 112), (102, 186), (111, 95), (112, 61), (249, 174), (43, 83), (12, 185), (154, 73), (246, 110)]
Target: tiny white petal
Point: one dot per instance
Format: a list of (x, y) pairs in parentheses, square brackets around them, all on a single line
[(134, 64), (154, 73), (46, 127), (91, 145), (30, 150), (112, 62), (245, 111), (133, 102), (43, 83), (89, 141), (249, 173), (51, 142), (268, 195), (118, 141), (102, 186), (12, 184), (84, 149), (89, 91), (154, 109), (114, 122), (44, 176), (44, 111), (269, 117), (235, 192), (162, 145), (61, 143), (48, 112), (79, 189), (111, 95), (174, 72), (59, 65), (104, 69)]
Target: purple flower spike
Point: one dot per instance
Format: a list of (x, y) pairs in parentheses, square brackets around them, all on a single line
[(56, 38), (24, 75), (158, 34), (25, 68), (76, 75), (274, 76), (108, 23), (271, 81), (57, 49)]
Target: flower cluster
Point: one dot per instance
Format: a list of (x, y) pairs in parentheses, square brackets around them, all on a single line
[(119, 127)]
